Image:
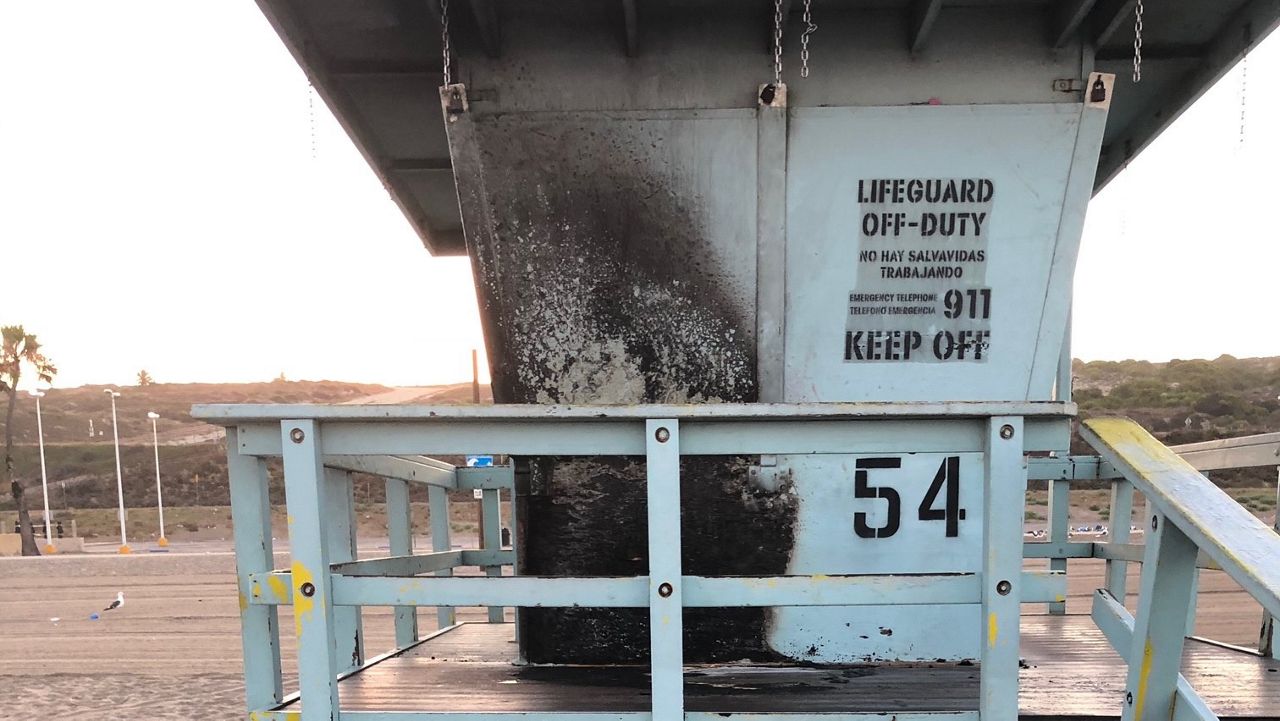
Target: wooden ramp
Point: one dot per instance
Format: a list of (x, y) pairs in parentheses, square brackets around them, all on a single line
[(1070, 672)]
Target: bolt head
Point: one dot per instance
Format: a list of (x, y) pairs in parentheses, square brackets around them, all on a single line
[(1006, 431), (1155, 522), (1003, 588), (296, 435), (662, 435), (308, 589), (665, 590)]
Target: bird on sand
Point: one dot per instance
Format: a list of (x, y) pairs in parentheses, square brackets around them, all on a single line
[(116, 603)]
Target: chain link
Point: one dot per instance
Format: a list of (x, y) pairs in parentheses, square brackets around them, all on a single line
[(1137, 42), (444, 40), (809, 27), (1244, 85), (311, 116), (777, 42)]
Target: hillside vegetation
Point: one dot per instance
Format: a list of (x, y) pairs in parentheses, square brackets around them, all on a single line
[(69, 412), (1179, 401), (81, 468), (1184, 401)]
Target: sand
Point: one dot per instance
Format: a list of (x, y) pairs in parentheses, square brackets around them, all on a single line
[(173, 651)]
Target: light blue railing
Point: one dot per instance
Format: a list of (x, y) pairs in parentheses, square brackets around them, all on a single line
[(1118, 550), (327, 585), (1194, 523), (1189, 523)]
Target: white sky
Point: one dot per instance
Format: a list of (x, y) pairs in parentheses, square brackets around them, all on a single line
[(159, 194)]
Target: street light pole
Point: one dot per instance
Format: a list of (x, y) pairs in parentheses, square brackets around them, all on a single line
[(115, 432), (155, 439), (44, 476)]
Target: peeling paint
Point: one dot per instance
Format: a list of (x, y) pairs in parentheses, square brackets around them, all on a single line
[(276, 584), (593, 330), (586, 516), (599, 285), (1144, 674), (303, 606)]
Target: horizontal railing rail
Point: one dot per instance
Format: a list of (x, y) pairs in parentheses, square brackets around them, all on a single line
[(632, 591), (1257, 451), (237, 415), (422, 469), (1241, 452)]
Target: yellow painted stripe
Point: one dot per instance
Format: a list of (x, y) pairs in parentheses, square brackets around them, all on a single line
[(278, 588), (993, 630), (1143, 674), (302, 606)]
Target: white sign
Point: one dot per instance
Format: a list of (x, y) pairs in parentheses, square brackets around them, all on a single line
[(891, 513), (921, 293)]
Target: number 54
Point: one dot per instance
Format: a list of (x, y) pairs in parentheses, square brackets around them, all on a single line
[(948, 477)]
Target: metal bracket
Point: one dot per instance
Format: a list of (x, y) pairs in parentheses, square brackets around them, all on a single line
[(454, 98), (772, 95), (767, 475)]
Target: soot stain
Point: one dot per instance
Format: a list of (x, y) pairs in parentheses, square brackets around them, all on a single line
[(600, 287), (602, 284), (586, 516)]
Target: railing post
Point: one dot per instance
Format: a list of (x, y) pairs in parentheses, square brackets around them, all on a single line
[(1266, 637), (438, 501), (306, 492), (1059, 531), (1160, 625), (666, 623), (513, 523), (1191, 602), (259, 625), (400, 543), (491, 539), (1059, 490), (1120, 519), (341, 537), (1064, 385), (1004, 499)]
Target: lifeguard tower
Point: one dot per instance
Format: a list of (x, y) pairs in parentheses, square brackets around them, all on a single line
[(776, 297)]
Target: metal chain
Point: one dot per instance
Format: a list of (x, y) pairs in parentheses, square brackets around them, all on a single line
[(444, 40), (1137, 42), (1244, 85), (804, 39), (777, 42), (311, 116)]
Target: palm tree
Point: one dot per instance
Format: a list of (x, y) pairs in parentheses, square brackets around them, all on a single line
[(18, 349)]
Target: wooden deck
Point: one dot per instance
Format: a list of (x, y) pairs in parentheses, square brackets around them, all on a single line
[(1071, 673)]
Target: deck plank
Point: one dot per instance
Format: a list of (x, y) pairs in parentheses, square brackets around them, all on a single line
[(1070, 673)]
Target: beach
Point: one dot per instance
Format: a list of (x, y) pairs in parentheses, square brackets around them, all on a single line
[(173, 650)]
